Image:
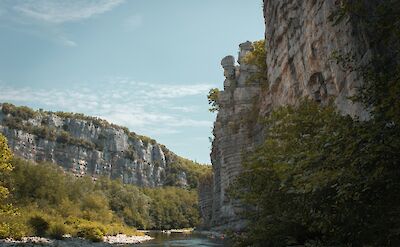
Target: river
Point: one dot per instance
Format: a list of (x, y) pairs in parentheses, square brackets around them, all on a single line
[(181, 240), (160, 240)]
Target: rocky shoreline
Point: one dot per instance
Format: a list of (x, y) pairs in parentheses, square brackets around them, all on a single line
[(119, 239)]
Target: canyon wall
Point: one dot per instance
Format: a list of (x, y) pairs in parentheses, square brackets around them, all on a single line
[(89, 146), (300, 41)]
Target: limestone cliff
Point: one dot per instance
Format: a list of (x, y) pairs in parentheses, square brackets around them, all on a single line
[(234, 132), (90, 146), (300, 41)]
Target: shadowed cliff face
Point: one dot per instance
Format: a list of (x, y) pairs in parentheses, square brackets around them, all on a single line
[(300, 42), (90, 146)]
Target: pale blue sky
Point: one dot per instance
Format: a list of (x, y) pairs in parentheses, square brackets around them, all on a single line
[(144, 64)]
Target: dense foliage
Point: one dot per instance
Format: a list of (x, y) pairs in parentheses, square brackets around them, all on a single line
[(323, 179), (51, 202), (172, 208), (179, 166), (6, 210)]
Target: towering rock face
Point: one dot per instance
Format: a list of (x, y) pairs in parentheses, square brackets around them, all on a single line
[(300, 41), (89, 146), (234, 132)]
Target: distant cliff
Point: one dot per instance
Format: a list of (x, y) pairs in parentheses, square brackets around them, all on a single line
[(91, 146), (300, 42)]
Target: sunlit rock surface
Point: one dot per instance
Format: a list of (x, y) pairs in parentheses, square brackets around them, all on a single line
[(113, 152)]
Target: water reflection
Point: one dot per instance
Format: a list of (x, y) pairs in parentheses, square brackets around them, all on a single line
[(182, 240)]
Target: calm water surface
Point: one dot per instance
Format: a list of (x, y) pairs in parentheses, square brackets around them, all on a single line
[(181, 240)]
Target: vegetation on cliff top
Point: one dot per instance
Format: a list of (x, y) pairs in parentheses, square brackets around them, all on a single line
[(17, 118), (258, 57), (178, 166)]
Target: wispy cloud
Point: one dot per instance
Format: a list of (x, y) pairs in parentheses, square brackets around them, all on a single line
[(185, 108), (133, 22), (60, 11), (147, 108), (44, 18), (176, 91)]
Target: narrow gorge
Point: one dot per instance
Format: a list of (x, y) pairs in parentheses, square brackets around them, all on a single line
[(304, 123)]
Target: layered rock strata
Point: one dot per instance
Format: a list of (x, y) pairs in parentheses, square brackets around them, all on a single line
[(205, 191), (90, 147), (234, 133)]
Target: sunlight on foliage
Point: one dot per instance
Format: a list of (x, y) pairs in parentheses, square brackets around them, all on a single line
[(212, 97), (53, 203)]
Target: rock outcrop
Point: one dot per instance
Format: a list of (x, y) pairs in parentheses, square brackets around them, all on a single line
[(89, 146), (233, 133), (300, 41)]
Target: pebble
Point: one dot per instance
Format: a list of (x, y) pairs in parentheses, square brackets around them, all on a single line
[(74, 242)]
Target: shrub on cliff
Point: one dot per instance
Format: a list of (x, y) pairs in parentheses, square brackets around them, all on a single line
[(258, 57), (22, 112), (178, 166), (212, 97)]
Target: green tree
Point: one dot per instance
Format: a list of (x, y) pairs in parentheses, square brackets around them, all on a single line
[(258, 57), (6, 209), (172, 207), (5, 167), (212, 97), (322, 177)]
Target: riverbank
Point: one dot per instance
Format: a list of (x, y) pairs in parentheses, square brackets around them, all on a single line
[(75, 242)]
